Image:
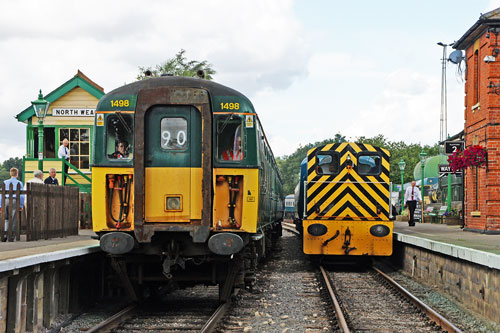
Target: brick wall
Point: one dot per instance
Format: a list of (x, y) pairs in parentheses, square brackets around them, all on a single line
[(482, 127)]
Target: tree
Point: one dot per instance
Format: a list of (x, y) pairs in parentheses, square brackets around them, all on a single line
[(178, 66), (13, 162)]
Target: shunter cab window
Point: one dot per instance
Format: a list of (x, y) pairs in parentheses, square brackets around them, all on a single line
[(230, 138), (119, 137), (328, 164), (369, 164), (174, 133)]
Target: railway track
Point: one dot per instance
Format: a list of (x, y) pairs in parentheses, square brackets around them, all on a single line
[(186, 314), (371, 301)]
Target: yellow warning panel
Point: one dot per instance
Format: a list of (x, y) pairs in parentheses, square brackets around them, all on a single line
[(249, 121), (100, 119)]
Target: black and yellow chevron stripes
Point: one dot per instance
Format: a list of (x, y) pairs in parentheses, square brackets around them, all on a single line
[(347, 195)]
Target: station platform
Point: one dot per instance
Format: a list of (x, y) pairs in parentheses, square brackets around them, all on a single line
[(15, 255), (479, 248)]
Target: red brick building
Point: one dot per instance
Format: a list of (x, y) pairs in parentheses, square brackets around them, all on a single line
[(481, 44)]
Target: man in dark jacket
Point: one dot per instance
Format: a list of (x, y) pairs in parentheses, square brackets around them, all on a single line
[(51, 179)]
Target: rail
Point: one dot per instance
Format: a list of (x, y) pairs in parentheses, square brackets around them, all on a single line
[(433, 315), (333, 299), (115, 320)]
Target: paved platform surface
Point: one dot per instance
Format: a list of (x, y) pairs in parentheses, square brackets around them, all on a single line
[(10, 251), (451, 234)]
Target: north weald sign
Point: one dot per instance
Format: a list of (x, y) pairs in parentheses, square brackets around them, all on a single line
[(73, 112), (453, 146), (445, 169)]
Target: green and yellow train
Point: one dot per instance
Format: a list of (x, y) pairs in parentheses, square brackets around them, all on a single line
[(185, 186), (343, 206)]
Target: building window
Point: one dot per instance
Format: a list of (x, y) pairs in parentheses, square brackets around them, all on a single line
[(79, 145), (476, 78)]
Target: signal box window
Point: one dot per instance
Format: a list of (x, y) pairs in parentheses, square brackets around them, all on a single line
[(119, 137), (79, 145), (328, 164), (230, 138), (174, 135), (369, 164)]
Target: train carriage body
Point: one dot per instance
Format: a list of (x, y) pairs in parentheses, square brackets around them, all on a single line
[(346, 206), (183, 179)]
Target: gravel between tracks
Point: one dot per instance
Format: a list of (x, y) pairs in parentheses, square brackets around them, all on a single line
[(287, 297)]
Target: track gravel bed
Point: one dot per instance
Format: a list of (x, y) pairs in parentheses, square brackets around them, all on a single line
[(288, 296), (445, 305), (182, 310), (369, 305)]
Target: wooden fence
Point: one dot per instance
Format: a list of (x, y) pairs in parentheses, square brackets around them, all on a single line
[(49, 211)]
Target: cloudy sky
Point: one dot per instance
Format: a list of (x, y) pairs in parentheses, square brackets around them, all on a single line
[(311, 68)]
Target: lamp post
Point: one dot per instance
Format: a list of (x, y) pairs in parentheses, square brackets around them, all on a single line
[(402, 165), (41, 106), (423, 155)]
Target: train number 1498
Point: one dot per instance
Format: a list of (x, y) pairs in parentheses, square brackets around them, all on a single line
[(120, 103), (230, 106)]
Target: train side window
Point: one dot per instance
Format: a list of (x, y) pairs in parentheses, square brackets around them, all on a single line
[(369, 164), (119, 136), (174, 133), (328, 163), (230, 145)]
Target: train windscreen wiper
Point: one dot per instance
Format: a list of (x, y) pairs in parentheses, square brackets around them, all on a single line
[(224, 124)]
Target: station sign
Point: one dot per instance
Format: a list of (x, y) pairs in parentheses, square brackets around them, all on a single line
[(445, 169), (452, 146), (59, 112)]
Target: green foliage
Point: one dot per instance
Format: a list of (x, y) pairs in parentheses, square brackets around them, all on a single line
[(290, 165), (13, 162), (178, 66)]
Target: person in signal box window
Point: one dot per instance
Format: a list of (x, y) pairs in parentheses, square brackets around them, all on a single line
[(412, 194)]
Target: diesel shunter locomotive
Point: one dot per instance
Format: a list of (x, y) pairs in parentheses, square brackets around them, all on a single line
[(185, 186), (342, 201)]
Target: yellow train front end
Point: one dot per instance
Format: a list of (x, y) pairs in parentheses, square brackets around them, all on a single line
[(180, 188), (347, 207)]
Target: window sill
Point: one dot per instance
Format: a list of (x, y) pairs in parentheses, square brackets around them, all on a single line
[(476, 107)]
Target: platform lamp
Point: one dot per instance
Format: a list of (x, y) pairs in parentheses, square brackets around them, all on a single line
[(402, 165), (41, 106), (423, 155)]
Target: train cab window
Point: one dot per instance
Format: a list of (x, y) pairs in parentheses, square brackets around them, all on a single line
[(328, 164), (119, 137), (174, 135), (230, 138), (369, 164)]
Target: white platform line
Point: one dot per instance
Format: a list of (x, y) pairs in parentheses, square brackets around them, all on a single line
[(35, 259)]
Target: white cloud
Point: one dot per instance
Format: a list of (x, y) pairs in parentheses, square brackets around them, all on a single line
[(408, 109), (254, 45)]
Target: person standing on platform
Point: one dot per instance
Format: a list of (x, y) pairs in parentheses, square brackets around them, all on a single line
[(412, 194), (37, 177), (15, 185), (63, 152), (51, 179)]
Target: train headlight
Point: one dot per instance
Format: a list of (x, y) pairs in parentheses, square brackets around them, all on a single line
[(174, 203), (380, 230), (317, 229)]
